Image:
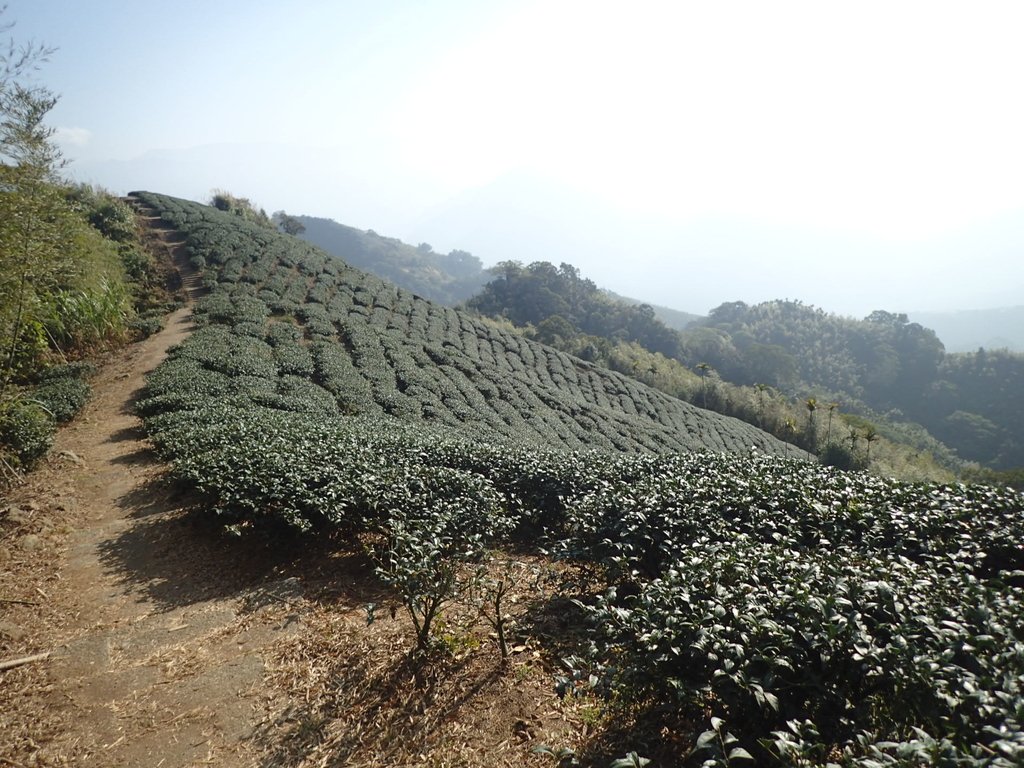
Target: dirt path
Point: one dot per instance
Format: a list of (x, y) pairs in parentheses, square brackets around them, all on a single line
[(172, 644), (155, 652)]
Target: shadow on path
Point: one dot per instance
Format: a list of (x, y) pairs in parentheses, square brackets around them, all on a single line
[(176, 553)]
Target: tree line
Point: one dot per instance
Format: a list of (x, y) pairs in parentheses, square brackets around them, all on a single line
[(74, 276), (890, 377), (884, 363)]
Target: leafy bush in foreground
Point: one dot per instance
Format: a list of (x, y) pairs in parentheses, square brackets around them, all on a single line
[(63, 397), (445, 519), (767, 592), (26, 433)]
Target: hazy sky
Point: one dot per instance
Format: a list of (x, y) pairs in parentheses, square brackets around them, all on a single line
[(852, 155)]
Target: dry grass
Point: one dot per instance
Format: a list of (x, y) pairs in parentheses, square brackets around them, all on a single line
[(338, 691), (34, 529), (344, 692)]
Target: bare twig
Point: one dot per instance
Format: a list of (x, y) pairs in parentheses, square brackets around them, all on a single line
[(15, 601), (10, 471), (10, 664)]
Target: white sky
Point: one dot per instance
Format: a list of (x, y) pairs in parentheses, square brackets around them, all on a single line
[(856, 155)]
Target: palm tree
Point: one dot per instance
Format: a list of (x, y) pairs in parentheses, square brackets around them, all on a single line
[(703, 369), (828, 430), (854, 435), (761, 389), (812, 438), (870, 436)]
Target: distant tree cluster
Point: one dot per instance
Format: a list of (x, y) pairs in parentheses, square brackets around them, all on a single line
[(560, 303), (884, 366), (884, 361)]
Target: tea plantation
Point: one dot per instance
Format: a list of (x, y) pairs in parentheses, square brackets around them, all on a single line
[(762, 609)]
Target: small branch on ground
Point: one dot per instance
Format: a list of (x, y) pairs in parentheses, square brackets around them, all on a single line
[(23, 660)]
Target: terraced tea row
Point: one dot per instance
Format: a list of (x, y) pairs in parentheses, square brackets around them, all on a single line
[(378, 349)]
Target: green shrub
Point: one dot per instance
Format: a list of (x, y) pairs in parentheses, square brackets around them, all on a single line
[(841, 457), (145, 326), (137, 263), (62, 397), (79, 369), (26, 433)]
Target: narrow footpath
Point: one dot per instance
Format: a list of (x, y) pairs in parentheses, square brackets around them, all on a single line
[(154, 652)]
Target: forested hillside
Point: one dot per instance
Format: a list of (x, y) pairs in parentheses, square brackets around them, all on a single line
[(968, 400), (448, 278), (560, 307), (561, 303), (727, 608), (888, 375)]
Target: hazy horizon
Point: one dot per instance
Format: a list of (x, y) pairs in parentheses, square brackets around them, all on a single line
[(854, 158)]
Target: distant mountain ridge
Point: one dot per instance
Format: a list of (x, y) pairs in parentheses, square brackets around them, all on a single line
[(676, 319), (968, 330), (448, 278)]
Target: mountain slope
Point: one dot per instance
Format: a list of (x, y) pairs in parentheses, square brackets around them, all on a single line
[(967, 400), (675, 319), (356, 344), (967, 330), (447, 278)]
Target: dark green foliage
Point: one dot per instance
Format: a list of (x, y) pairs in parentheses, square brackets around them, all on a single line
[(62, 397), (439, 519), (26, 433), (976, 404), (29, 421), (113, 217), (146, 325), (840, 457), (79, 369), (767, 591), (1012, 478), (882, 362), (562, 304)]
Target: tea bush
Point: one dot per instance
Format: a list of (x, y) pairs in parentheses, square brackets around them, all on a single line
[(63, 398), (26, 433), (795, 614)]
